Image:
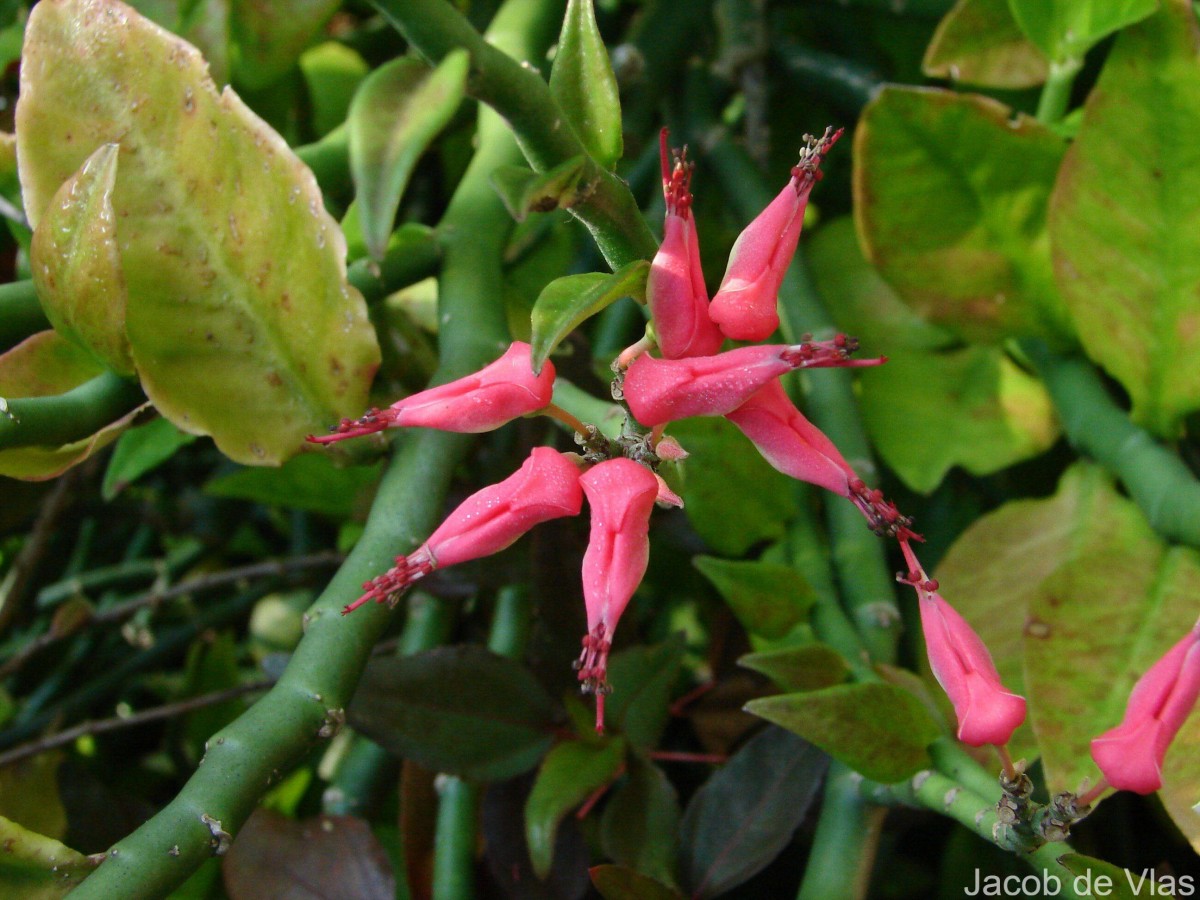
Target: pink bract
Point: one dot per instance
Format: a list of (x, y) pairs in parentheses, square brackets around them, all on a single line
[(1131, 754)]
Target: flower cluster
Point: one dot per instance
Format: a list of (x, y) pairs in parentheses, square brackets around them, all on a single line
[(689, 377)]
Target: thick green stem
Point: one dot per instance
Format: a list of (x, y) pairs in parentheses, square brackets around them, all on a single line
[(839, 864), (329, 159), (1157, 480), (520, 94), (868, 585), (66, 418), (20, 313), (1056, 92), (454, 839), (848, 84), (944, 795)]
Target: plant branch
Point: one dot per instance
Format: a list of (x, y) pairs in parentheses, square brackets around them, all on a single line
[(100, 726), (21, 313), (69, 417), (1156, 478), (519, 93)]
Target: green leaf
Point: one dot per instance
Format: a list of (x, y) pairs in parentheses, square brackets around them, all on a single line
[(641, 679), (1079, 593), (806, 668), (41, 366), (972, 407), (395, 115), (333, 73), (239, 317), (310, 481), (640, 826), (866, 306), (621, 883), (569, 301), (950, 200), (979, 42), (271, 34), (524, 191), (461, 710), (1135, 309), (879, 730), (583, 83), (139, 451), (769, 599), (29, 794), (77, 267), (732, 496), (1064, 30), (746, 813), (34, 867), (569, 773)]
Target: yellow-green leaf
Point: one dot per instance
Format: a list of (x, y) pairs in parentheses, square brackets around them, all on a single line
[(76, 264), (979, 42), (35, 867), (239, 317), (584, 85)]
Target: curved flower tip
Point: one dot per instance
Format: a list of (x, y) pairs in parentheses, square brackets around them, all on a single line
[(987, 712), (1131, 754), (498, 393), (675, 289), (547, 486), (663, 390), (744, 307), (621, 494)]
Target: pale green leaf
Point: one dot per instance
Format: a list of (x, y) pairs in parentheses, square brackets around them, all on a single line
[(35, 867), (972, 407), (239, 316), (1064, 30), (396, 113), (1125, 219), (76, 264), (806, 668), (568, 302), (139, 451), (979, 42), (950, 200)]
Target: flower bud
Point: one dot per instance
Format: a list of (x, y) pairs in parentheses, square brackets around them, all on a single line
[(675, 287), (498, 393), (621, 494), (1131, 754), (545, 487), (987, 712), (663, 390), (745, 306)]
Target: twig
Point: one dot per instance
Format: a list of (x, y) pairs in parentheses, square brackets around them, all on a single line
[(121, 611), (100, 726)]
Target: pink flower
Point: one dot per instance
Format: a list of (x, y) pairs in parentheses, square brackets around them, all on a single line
[(621, 494), (547, 486), (987, 712), (1131, 755), (744, 307), (675, 288), (790, 442), (498, 393), (663, 390)]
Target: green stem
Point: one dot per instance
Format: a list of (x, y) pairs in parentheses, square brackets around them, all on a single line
[(66, 418), (1157, 480), (944, 795), (1056, 92), (840, 862), (868, 585), (454, 840), (522, 97), (411, 260), (20, 313), (848, 84)]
